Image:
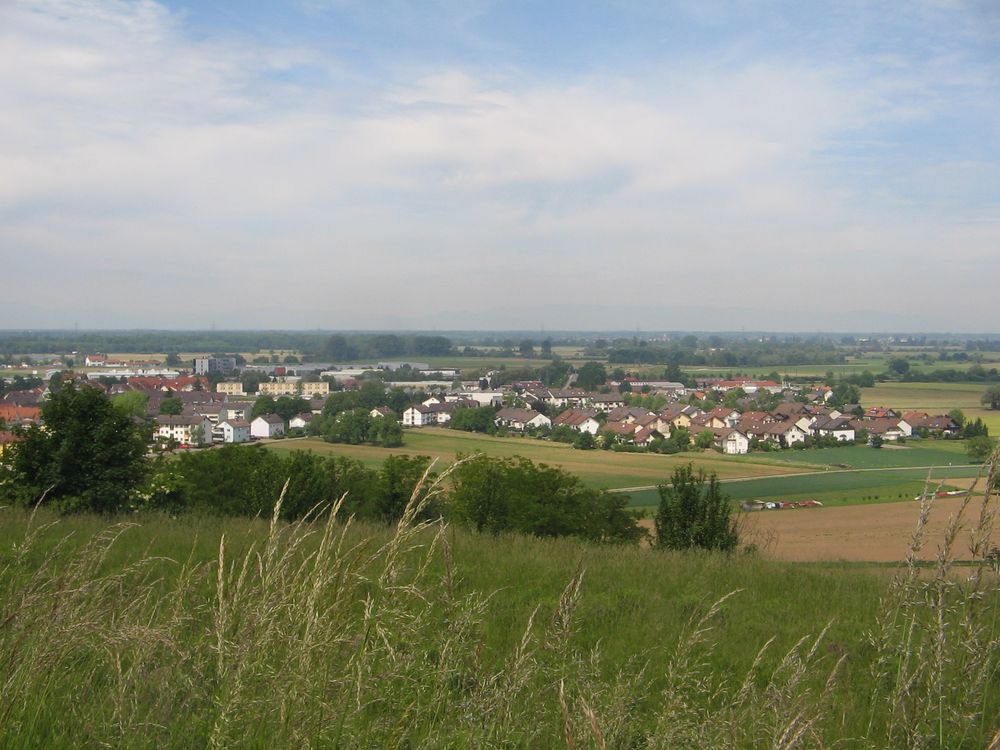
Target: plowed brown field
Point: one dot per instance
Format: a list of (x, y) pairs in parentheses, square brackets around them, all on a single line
[(857, 533)]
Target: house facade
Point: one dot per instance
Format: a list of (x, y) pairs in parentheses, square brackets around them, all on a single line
[(232, 431), (521, 419), (267, 426), (185, 430)]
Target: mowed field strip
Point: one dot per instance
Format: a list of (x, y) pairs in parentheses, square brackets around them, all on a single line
[(597, 468)]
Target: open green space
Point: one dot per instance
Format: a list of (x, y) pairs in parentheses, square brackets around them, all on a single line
[(832, 487), (914, 453), (203, 631), (596, 468)]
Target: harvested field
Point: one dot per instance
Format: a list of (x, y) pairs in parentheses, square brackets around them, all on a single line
[(856, 533)]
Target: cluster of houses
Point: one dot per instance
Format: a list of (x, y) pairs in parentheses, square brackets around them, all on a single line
[(733, 431), (212, 417), (225, 414), (206, 417)]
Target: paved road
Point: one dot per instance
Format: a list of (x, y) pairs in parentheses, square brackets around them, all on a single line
[(812, 473)]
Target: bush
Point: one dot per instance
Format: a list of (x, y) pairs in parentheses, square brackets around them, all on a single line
[(693, 512), (515, 494)]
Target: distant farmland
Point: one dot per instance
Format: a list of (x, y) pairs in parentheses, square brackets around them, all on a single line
[(595, 467)]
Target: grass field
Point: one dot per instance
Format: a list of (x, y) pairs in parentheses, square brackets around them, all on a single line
[(914, 453), (596, 468), (161, 635)]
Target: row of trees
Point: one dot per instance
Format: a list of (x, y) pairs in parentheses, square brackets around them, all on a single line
[(346, 347), (358, 427)]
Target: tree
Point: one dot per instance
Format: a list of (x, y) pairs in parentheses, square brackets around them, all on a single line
[(845, 393), (979, 448), (693, 512), (131, 403), (352, 427), (514, 494), (171, 405), (527, 348), (899, 365), (480, 419), (975, 428), (591, 375), (287, 407), (89, 456), (386, 432), (263, 405), (704, 439), (991, 399), (338, 348), (958, 416), (681, 438)]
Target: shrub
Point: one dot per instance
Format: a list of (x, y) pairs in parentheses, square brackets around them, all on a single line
[(693, 512)]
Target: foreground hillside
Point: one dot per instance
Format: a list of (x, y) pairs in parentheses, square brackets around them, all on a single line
[(197, 632)]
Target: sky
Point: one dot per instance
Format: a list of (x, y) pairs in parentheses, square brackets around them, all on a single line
[(466, 164)]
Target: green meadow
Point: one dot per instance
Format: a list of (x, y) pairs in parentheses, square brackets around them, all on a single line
[(206, 632), (914, 453)]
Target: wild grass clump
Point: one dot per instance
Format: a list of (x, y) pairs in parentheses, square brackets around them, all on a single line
[(328, 633)]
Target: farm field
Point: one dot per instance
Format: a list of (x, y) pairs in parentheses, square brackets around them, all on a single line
[(934, 398), (874, 363), (859, 533), (869, 486), (914, 453), (605, 469)]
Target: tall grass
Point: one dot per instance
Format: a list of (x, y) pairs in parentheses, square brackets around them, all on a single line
[(328, 633)]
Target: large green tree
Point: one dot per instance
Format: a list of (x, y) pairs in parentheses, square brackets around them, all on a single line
[(88, 456), (694, 512), (979, 448), (171, 405), (479, 419), (591, 375), (991, 399)]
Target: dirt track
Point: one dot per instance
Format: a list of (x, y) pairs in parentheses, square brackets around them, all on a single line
[(863, 533)]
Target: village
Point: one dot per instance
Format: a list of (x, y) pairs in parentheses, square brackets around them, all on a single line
[(209, 405)]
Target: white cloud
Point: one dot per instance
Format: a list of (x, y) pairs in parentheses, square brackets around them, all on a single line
[(126, 139)]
